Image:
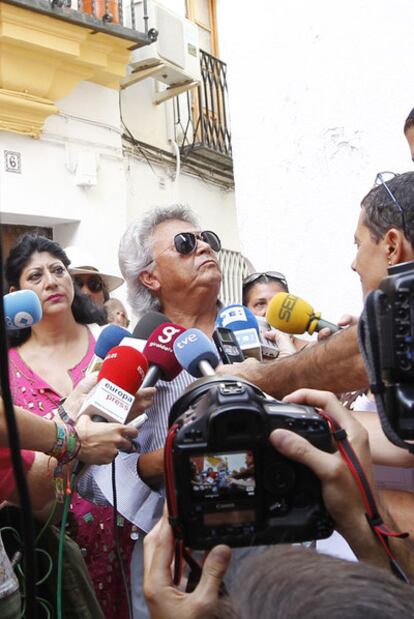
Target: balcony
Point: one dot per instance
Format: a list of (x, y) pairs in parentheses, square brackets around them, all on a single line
[(201, 119), (47, 48)]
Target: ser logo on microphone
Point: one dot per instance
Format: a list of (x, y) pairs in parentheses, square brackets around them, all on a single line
[(285, 312)]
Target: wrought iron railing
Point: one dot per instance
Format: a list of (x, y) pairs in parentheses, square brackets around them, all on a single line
[(115, 17), (201, 116)]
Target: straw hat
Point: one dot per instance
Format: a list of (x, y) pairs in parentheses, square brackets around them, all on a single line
[(83, 263)]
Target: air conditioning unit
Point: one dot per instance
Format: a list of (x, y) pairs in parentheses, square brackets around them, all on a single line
[(173, 58)]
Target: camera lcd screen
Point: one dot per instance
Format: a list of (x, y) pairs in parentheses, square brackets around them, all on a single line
[(223, 476)]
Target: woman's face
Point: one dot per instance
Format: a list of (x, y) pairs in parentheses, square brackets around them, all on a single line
[(48, 277), (260, 295)]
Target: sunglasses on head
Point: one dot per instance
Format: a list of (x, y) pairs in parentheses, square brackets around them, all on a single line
[(93, 282), (273, 275)]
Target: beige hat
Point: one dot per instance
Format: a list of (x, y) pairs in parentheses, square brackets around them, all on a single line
[(82, 263)]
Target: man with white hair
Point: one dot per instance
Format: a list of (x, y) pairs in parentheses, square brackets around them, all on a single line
[(169, 266)]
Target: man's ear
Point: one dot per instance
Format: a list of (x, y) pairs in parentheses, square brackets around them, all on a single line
[(12, 289), (397, 248), (149, 280)]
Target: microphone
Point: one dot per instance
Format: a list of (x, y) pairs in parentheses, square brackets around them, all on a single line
[(122, 373), (110, 336), (196, 353), (243, 323), (22, 309), (270, 350), (143, 330), (160, 354), (292, 314)]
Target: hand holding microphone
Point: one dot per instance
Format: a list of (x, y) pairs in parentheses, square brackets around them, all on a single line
[(292, 314)]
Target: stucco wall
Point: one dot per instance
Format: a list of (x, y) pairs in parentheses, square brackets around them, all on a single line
[(319, 95)]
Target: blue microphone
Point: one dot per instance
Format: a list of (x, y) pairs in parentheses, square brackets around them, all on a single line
[(110, 336), (196, 353), (22, 309), (243, 323)]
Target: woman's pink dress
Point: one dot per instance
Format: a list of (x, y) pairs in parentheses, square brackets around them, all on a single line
[(94, 525)]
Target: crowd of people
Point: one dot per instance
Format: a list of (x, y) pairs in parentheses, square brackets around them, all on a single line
[(171, 266)]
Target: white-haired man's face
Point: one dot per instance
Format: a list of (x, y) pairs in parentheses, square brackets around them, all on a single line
[(175, 276)]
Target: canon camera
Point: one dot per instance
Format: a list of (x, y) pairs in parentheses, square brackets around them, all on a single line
[(226, 483)]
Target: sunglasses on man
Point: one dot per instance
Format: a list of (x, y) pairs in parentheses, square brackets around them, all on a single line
[(93, 282), (185, 243)]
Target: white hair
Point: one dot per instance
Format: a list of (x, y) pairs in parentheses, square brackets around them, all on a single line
[(135, 252)]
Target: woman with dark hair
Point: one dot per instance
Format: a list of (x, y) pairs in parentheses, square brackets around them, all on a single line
[(46, 362)]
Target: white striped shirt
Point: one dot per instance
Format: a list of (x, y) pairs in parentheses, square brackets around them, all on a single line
[(135, 500)]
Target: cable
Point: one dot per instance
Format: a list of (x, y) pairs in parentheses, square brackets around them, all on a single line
[(117, 543), (66, 507), (30, 560)]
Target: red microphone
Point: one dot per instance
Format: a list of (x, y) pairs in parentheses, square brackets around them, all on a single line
[(159, 350), (122, 373)]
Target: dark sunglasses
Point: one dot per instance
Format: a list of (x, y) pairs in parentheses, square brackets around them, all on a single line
[(93, 282), (381, 179), (273, 275), (186, 242)]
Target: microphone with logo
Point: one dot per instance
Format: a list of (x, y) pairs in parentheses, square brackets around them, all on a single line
[(243, 323), (292, 314), (148, 323), (196, 353), (22, 309), (160, 354), (110, 336), (122, 373)]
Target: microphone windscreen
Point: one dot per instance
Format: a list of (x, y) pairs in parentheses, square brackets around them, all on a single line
[(125, 367), (192, 347), (237, 318), (289, 313), (148, 324), (110, 336), (159, 350), (22, 309)]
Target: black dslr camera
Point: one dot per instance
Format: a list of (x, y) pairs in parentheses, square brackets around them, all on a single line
[(386, 333), (226, 483)]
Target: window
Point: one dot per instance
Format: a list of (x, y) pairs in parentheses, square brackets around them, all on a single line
[(203, 13)]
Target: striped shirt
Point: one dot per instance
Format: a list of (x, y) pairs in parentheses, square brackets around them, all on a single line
[(135, 500)]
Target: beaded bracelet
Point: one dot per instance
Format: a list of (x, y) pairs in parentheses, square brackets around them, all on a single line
[(65, 450)]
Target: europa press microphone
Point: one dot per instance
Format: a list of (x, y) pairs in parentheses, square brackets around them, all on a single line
[(243, 323), (292, 314), (22, 309), (196, 353), (122, 373), (110, 336)]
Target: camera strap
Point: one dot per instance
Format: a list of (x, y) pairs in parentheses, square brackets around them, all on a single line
[(181, 553), (375, 521)]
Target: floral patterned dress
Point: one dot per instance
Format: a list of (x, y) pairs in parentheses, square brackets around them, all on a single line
[(94, 525)]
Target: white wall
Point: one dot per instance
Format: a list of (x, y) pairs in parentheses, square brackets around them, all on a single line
[(213, 205), (319, 93)]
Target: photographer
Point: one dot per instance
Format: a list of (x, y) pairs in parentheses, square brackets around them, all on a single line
[(343, 500), (384, 237)]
